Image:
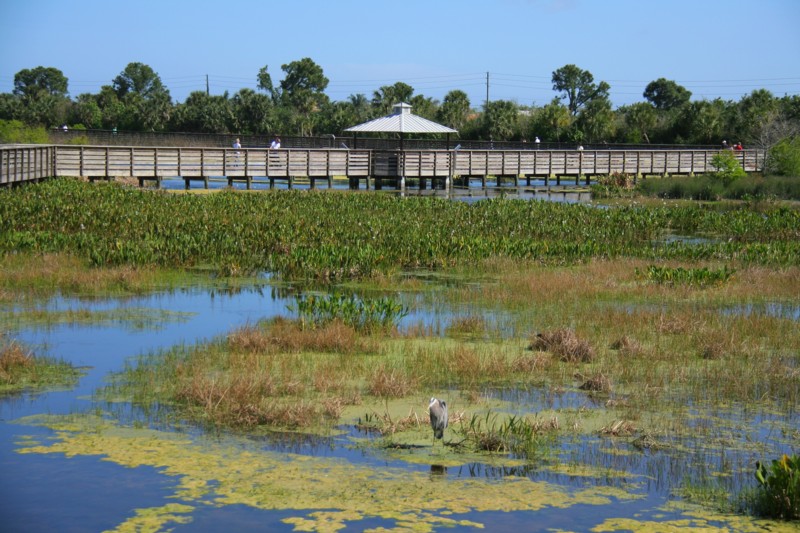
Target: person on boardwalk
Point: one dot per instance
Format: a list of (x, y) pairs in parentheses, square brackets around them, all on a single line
[(738, 146), (276, 142), (237, 146)]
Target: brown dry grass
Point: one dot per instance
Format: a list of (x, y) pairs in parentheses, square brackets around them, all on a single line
[(627, 346), (13, 360), (467, 325), (50, 272), (565, 344), (289, 336), (596, 383), (388, 382)]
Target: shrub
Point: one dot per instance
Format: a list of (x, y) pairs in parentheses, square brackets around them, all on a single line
[(779, 496), (727, 166), (784, 158), (613, 185), (14, 131)]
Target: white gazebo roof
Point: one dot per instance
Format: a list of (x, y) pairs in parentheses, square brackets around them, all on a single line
[(401, 121)]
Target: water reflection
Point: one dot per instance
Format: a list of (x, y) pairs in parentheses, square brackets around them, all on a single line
[(438, 471), (537, 189)]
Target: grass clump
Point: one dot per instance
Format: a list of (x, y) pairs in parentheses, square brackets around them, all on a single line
[(565, 344), (20, 369), (523, 436)]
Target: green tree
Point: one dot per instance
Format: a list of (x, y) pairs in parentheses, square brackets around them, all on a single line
[(112, 109), (10, 107), (43, 95), (640, 120), (147, 101), (252, 111), (424, 106), (501, 120), (336, 117), (705, 121), (596, 120), (140, 79), (455, 110), (86, 111), (362, 109), (552, 122), (753, 111), (666, 95), (784, 157), (387, 96), (578, 87), (32, 84), (204, 113), (303, 90), (265, 83)]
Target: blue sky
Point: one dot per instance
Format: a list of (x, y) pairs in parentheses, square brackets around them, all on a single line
[(714, 48)]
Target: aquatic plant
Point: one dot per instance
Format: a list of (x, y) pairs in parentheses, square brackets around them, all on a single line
[(362, 314), (522, 436), (702, 276), (779, 494), (332, 236)]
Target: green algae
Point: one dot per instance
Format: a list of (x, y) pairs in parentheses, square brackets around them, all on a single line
[(696, 518), (327, 493), (155, 518), (132, 318)]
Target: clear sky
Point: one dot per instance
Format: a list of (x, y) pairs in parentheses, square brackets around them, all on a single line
[(713, 48)]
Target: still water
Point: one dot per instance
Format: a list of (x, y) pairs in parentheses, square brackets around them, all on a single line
[(537, 190), (86, 492)]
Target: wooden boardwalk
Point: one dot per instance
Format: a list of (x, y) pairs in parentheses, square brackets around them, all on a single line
[(34, 162)]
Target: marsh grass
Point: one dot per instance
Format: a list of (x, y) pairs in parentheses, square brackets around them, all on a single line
[(21, 369), (467, 325), (50, 273), (523, 436)]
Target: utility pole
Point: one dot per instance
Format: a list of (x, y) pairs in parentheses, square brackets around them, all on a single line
[(208, 93), (486, 108)]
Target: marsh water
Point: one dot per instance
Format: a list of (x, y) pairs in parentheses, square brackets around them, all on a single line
[(538, 189), (589, 481)]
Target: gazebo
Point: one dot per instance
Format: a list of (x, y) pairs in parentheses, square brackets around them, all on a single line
[(401, 121)]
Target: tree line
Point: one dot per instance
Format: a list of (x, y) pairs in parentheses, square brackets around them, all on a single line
[(580, 112)]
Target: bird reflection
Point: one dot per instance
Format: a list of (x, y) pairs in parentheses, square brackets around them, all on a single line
[(438, 470)]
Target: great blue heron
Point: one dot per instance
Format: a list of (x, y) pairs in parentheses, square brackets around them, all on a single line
[(438, 414)]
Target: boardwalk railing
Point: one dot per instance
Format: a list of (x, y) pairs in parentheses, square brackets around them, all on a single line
[(19, 164), (30, 163)]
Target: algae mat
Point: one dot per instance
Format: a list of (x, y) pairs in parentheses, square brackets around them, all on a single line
[(327, 494)]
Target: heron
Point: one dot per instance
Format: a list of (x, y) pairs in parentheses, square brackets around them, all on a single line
[(438, 414)]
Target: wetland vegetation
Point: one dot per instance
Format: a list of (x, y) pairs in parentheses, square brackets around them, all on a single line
[(586, 350)]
